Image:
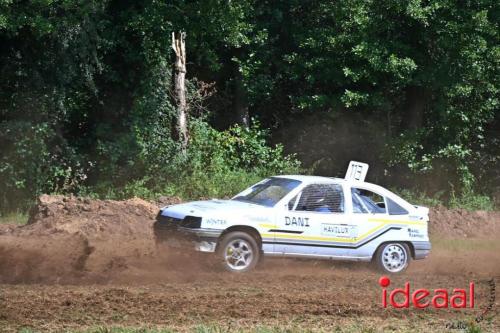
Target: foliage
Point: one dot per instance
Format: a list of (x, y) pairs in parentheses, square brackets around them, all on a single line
[(420, 198), (14, 218), (35, 161), (471, 201), (465, 200), (222, 163), (217, 164), (86, 100), (430, 69), (238, 148)]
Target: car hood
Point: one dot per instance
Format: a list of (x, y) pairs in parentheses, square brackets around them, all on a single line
[(207, 207)]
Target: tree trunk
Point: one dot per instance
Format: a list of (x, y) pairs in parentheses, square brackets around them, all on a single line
[(179, 46), (416, 101), (240, 100)]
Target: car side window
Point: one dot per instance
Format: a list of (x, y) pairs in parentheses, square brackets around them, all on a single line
[(323, 198), (394, 208), (357, 206), (365, 201), (291, 203)]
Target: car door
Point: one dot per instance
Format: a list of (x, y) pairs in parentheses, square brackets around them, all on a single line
[(314, 223), (369, 214)]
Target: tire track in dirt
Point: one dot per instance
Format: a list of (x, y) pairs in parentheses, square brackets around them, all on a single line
[(283, 293)]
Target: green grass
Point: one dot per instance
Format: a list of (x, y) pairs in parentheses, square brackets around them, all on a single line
[(14, 218), (353, 328)]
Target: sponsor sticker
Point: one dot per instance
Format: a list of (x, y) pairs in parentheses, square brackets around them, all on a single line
[(338, 230), (215, 222), (415, 233)]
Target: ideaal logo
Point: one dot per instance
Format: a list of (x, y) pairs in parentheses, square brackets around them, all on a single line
[(423, 298), (438, 298)]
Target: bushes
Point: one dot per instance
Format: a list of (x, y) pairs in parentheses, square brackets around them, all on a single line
[(222, 163), (237, 148), (125, 144), (216, 164), (471, 201), (468, 200), (420, 198), (35, 160)]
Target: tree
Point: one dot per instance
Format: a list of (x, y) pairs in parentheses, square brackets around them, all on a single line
[(179, 47)]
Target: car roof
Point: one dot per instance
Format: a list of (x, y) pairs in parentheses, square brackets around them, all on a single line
[(311, 179), (353, 183)]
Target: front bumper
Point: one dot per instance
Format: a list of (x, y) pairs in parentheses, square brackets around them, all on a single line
[(185, 233), (422, 249)]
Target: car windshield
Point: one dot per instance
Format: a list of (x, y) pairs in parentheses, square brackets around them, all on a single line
[(268, 192)]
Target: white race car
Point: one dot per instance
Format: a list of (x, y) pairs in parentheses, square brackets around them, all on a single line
[(306, 217)]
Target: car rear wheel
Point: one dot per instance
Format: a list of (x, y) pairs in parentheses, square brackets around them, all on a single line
[(238, 252), (392, 258)]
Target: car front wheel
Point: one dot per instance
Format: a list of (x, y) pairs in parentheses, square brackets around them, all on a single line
[(239, 252), (392, 257)]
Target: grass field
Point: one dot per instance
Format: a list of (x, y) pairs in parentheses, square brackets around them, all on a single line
[(354, 328)]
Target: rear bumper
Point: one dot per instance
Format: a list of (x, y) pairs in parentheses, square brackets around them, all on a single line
[(199, 239), (422, 249)]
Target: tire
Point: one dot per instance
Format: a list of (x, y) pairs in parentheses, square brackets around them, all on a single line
[(238, 252), (392, 258)]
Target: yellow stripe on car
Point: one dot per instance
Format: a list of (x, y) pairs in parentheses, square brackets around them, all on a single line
[(383, 223), (288, 236), (269, 226), (395, 221)]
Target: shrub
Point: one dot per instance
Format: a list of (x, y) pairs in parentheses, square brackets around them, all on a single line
[(420, 198), (237, 148), (35, 160), (222, 163), (468, 200), (216, 164), (471, 201)]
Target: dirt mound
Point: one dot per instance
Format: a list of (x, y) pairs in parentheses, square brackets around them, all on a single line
[(453, 223), (90, 218), (70, 238)]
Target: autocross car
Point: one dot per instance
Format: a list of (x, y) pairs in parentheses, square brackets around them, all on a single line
[(304, 216)]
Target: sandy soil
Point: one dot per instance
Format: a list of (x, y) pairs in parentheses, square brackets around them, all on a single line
[(83, 263)]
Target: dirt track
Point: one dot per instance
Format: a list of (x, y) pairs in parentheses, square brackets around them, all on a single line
[(82, 263)]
